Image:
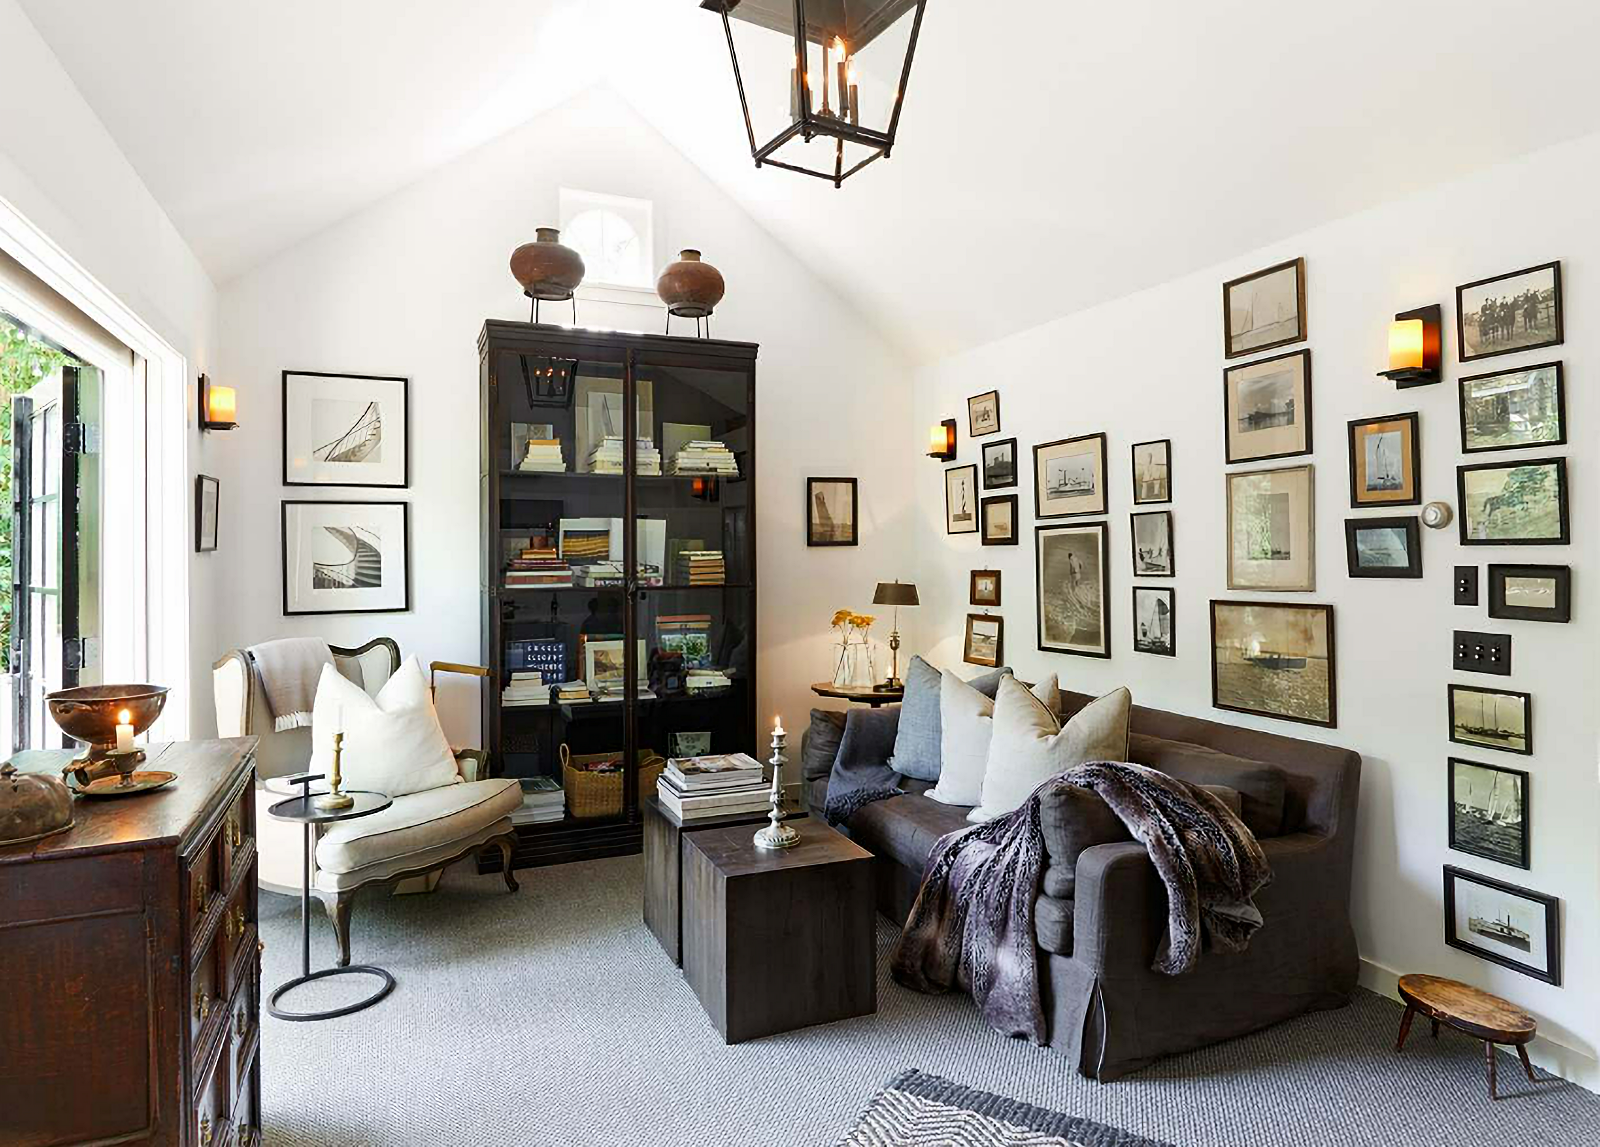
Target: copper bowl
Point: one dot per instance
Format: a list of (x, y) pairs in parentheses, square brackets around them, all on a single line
[(90, 713)]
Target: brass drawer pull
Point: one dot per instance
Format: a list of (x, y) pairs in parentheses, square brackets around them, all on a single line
[(241, 1021), (235, 835), (201, 897), (235, 924), (205, 1131), (202, 1005)]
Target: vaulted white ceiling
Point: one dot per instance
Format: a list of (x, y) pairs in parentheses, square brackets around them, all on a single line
[(1053, 153)]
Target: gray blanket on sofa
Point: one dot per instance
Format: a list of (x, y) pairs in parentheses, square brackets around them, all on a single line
[(972, 924)]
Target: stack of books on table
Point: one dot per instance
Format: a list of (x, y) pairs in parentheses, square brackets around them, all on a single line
[(606, 574), (694, 788), (537, 567), (606, 458), (527, 687), (571, 692), (704, 457), (544, 457), (705, 680), (542, 801), (700, 567)]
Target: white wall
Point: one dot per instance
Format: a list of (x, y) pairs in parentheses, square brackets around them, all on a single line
[(1148, 366), (404, 287)]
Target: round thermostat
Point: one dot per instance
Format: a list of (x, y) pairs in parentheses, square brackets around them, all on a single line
[(1437, 515)]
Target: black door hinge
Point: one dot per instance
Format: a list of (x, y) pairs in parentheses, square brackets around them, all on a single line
[(80, 438), (80, 653)]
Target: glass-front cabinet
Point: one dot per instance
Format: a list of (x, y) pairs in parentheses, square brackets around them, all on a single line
[(618, 570)]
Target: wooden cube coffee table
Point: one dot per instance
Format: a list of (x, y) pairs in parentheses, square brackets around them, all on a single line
[(774, 941)]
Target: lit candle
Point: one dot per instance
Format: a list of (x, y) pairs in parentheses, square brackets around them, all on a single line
[(936, 439), (777, 727), (124, 732), (223, 403)]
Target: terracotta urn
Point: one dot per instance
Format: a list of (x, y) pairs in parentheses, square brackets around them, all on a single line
[(691, 288), (546, 268)]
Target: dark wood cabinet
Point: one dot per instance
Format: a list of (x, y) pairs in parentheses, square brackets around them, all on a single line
[(131, 966)]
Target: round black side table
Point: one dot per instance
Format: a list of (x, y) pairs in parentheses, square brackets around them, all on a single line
[(303, 809)]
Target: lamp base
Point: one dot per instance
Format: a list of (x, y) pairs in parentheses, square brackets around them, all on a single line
[(893, 685), (330, 801)]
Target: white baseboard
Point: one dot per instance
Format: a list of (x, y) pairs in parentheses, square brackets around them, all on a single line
[(1556, 1058)]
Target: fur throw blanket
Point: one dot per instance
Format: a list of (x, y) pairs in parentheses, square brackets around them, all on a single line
[(972, 924)]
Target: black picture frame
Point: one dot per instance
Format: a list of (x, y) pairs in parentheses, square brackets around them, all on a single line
[(854, 536), (1462, 832), (1412, 434), (1525, 700), (1133, 544), (1133, 464), (1553, 267), (1299, 267), (999, 640), (283, 541), (975, 598), (202, 483), (1560, 611), (1326, 612), (1558, 464), (1227, 409), (949, 521), (1551, 906), (984, 504), (405, 401), (1171, 596), (1413, 531), (1105, 479), (1561, 408), (1104, 544), (999, 483), (972, 427)]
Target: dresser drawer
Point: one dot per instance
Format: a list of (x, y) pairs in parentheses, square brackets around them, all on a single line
[(208, 999), (204, 886), (244, 1027), (236, 832), (213, 1106), (236, 938)]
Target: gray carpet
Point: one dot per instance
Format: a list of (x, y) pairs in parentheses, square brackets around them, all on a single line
[(551, 1019)]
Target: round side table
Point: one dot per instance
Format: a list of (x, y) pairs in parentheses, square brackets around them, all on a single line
[(307, 813)]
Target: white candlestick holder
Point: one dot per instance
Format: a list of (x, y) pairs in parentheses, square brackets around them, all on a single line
[(777, 835)]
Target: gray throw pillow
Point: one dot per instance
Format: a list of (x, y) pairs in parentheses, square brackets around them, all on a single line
[(821, 743), (916, 741)]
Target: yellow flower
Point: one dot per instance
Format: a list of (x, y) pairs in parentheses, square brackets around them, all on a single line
[(841, 618), (863, 620)]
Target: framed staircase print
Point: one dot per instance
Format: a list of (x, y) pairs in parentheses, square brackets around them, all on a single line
[(346, 557), (346, 430)]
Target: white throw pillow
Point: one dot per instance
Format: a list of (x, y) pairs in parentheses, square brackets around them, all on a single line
[(1028, 744), (966, 720), (392, 743)]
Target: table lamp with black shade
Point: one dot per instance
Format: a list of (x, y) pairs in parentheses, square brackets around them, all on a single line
[(896, 594)]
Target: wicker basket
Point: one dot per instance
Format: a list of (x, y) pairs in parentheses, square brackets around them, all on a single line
[(598, 796)]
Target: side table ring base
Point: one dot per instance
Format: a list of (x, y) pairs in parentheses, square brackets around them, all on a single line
[(384, 989)]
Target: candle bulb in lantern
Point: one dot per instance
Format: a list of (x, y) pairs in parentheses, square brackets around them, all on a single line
[(124, 731), (794, 93), (825, 78), (855, 97), (844, 73), (1406, 344)]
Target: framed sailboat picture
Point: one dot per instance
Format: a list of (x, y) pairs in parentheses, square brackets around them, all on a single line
[(1489, 812), (1492, 719), (1385, 462), (961, 500), (1152, 472), (346, 430), (1264, 309), (1274, 659), (1516, 928)]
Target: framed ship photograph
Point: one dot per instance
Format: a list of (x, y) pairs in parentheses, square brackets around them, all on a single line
[(1274, 659), (1000, 520), (831, 512), (1264, 309), (1152, 472), (1513, 503), (961, 500), (1266, 408), (1509, 313), (1491, 718), (1000, 464), (1069, 477), (1530, 593), (1489, 812), (346, 557), (1383, 547), (1073, 578), (983, 414), (1271, 539), (1520, 409), (1516, 928), (1152, 544), (984, 588), (1154, 626), (346, 430), (1385, 462), (985, 640)]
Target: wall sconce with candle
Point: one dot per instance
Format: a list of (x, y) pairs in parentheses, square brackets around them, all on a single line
[(1414, 347), (942, 441), (219, 406)]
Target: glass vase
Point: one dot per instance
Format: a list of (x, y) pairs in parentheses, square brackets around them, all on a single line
[(853, 669)]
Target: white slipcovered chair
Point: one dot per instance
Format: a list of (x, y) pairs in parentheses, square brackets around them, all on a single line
[(409, 843)]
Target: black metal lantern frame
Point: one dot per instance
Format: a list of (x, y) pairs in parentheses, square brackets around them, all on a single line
[(808, 121)]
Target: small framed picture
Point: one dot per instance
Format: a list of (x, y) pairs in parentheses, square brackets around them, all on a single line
[(1152, 472), (1153, 623), (1385, 462), (961, 500), (984, 643), (1274, 659), (1000, 520), (983, 414), (605, 668), (831, 512), (1000, 464), (1271, 539), (1516, 928), (345, 429), (1530, 593), (1264, 309), (985, 588), (1513, 503), (1266, 408), (1509, 313), (1513, 409), (207, 496), (1152, 544), (346, 557), (1073, 579), (1492, 718), (1489, 812), (1069, 477), (1383, 547), (696, 744)]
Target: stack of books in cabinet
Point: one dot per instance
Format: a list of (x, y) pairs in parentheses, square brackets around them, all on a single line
[(543, 801), (701, 567), (537, 566), (543, 457), (606, 458), (704, 457)]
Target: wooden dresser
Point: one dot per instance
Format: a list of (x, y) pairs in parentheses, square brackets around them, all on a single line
[(130, 970)]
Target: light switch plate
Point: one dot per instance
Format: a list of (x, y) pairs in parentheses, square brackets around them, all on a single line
[(1466, 584), (1482, 652)]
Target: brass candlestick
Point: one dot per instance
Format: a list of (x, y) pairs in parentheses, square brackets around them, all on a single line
[(777, 835), (333, 798)]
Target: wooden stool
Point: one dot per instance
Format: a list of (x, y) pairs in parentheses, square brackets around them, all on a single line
[(1468, 1010)]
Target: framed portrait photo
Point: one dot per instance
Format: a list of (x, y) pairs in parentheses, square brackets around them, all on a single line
[(1274, 659), (1266, 408), (1000, 520), (961, 500), (1152, 472), (1509, 313), (1530, 593), (1069, 477), (1000, 464), (1516, 928), (346, 430), (1513, 409), (985, 640), (346, 557), (1264, 309), (1152, 544), (1385, 462), (1383, 547), (984, 588), (207, 499), (1271, 535), (1491, 718), (831, 512), (1154, 629), (1489, 812), (983, 414), (1073, 578), (1513, 503)]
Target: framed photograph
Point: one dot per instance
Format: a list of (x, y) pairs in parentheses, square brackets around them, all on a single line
[(985, 588), (831, 512), (1000, 520), (1513, 503), (1274, 659), (1270, 530), (1152, 472), (1264, 309), (1385, 462), (1530, 593), (1000, 464), (961, 500), (1152, 544), (1508, 313), (695, 744), (1514, 409), (1153, 622), (984, 645), (1489, 812), (1383, 547), (1069, 477), (605, 668), (983, 414), (1266, 408), (346, 430), (207, 495), (1516, 928), (346, 557), (1073, 578), (1492, 718)]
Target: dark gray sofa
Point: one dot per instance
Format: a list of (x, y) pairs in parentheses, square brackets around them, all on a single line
[(1102, 909)]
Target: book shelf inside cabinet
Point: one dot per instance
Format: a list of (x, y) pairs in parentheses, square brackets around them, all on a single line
[(618, 550)]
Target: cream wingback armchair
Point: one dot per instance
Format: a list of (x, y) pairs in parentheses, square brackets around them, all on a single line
[(415, 838)]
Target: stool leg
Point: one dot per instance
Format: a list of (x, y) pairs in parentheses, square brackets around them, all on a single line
[(1522, 1054), (1488, 1054), (1405, 1027), (1435, 1024)]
